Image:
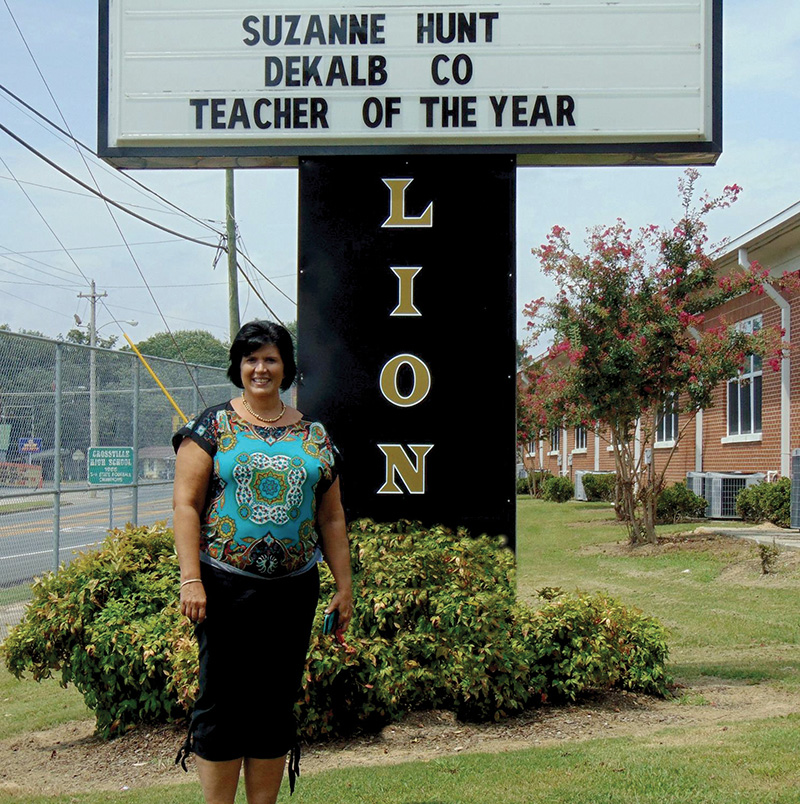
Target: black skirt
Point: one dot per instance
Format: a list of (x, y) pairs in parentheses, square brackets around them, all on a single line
[(252, 649)]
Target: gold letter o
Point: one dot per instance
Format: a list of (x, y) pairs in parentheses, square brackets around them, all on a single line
[(422, 381)]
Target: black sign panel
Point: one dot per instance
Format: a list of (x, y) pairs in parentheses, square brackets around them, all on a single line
[(406, 333)]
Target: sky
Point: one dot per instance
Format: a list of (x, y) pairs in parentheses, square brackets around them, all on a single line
[(55, 238)]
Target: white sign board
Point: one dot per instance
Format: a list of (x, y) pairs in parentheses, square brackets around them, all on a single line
[(214, 78)]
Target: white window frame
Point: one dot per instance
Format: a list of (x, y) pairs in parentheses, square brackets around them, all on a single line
[(667, 428), (555, 441), (580, 441), (747, 387)]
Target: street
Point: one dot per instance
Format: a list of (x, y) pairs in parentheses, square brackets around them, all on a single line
[(26, 538)]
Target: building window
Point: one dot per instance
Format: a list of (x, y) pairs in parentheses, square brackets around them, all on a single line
[(744, 392), (667, 430), (555, 439), (580, 438)]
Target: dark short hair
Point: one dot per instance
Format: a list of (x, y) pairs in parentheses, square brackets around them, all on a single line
[(250, 338)]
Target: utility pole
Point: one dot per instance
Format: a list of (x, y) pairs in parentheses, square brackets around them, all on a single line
[(233, 270), (93, 423)]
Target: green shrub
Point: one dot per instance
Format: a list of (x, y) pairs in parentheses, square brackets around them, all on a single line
[(558, 489), (678, 502), (748, 504), (436, 625), (532, 483), (108, 623), (769, 502), (600, 488), (777, 502), (582, 642), (431, 629)]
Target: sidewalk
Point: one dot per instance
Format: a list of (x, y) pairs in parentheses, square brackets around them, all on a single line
[(765, 533)]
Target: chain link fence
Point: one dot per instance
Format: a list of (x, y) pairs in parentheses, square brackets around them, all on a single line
[(84, 446)]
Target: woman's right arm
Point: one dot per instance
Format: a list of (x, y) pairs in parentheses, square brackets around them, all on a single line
[(193, 466)]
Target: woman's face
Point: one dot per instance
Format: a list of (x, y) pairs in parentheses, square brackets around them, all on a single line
[(262, 371)]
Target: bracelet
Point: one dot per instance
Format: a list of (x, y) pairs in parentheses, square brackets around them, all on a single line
[(191, 580)]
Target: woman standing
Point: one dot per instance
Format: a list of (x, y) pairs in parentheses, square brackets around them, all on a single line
[(256, 505)]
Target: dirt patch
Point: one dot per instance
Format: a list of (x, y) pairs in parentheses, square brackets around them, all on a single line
[(71, 759), (742, 558), (691, 542)]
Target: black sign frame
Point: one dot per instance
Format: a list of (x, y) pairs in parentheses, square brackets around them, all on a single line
[(406, 334)]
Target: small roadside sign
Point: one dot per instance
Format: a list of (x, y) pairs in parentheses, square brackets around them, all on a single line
[(110, 466), (30, 446)]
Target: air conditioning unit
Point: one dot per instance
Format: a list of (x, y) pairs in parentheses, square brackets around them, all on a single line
[(794, 494), (696, 482), (720, 490)]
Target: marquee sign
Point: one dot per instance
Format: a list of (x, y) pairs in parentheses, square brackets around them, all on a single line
[(217, 83)]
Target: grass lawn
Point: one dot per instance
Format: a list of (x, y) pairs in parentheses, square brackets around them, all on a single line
[(726, 618), (727, 621), (28, 706), (21, 507)]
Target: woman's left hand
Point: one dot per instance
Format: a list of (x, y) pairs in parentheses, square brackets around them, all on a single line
[(336, 549), (343, 603)]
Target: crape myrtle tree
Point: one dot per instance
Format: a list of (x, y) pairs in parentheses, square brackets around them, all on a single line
[(629, 342), (530, 428)]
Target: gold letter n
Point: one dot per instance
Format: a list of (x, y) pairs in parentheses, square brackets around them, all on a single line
[(399, 466)]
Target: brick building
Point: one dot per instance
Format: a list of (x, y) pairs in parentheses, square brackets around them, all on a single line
[(749, 432)]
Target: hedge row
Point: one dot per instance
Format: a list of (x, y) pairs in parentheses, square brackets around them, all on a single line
[(436, 625)]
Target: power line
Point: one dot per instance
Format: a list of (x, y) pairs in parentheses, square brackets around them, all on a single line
[(172, 317), (44, 220), (90, 248), (260, 272), (84, 195), (86, 148), (97, 193), (30, 281), (260, 297), (7, 256), (34, 304), (110, 202), (107, 201), (161, 287)]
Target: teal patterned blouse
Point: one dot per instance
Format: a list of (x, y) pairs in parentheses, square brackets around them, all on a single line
[(260, 513)]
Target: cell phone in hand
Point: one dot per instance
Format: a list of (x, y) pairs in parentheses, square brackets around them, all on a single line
[(330, 622)]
